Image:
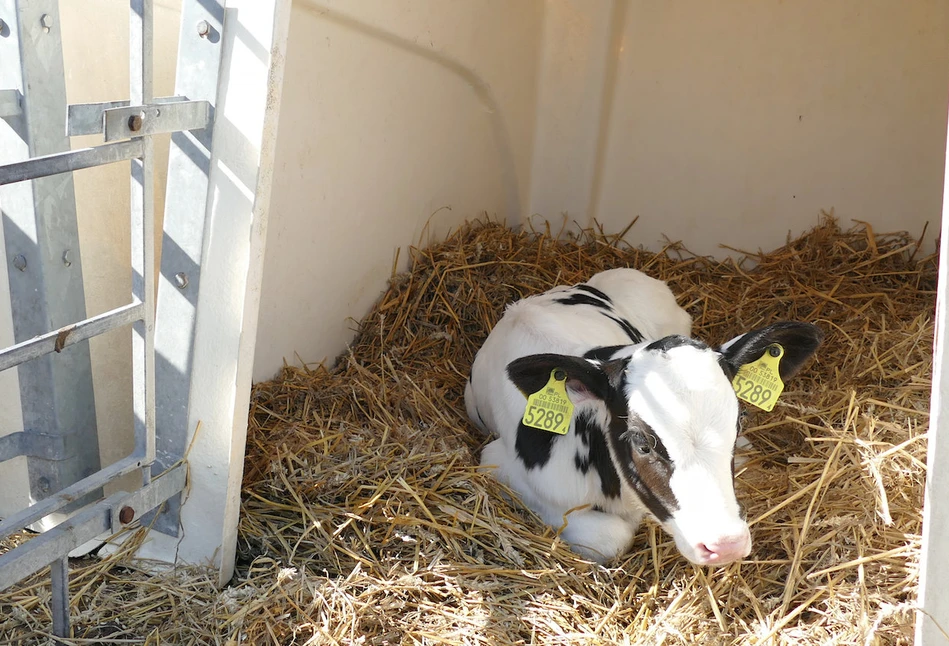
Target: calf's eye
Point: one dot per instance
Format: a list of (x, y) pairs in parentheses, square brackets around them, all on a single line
[(643, 449)]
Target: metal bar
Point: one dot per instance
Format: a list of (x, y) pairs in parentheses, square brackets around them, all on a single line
[(86, 118), (153, 119), (43, 508), (70, 160), (10, 105), (32, 556), (64, 337), (54, 447), (141, 43), (59, 588)]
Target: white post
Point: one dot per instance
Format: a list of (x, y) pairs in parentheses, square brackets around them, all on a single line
[(239, 179), (932, 624)]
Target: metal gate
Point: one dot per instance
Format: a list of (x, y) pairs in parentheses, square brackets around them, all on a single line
[(41, 239)]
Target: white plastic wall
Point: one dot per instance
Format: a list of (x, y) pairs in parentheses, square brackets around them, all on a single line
[(729, 122)]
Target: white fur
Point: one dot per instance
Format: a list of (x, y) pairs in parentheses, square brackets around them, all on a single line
[(682, 394)]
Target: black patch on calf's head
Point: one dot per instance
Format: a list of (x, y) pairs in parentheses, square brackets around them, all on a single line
[(675, 341), (799, 340)]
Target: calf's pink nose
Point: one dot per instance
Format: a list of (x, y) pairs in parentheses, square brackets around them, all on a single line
[(725, 549)]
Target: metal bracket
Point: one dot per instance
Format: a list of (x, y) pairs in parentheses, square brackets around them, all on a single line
[(164, 114), (32, 444), (153, 119), (86, 118), (11, 103)]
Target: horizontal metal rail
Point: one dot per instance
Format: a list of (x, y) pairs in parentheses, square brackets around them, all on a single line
[(46, 506), (70, 160), (66, 336), (54, 448), (37, 553), (10, 104)]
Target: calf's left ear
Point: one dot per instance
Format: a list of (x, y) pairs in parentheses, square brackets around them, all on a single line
[(799, 340)]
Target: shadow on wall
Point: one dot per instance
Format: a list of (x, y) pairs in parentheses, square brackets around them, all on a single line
[(466, 74)]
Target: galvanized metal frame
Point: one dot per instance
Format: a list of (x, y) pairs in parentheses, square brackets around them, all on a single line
[(138, 118), (41, 237)]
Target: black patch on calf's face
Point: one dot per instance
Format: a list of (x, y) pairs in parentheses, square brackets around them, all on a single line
[(648, 474)]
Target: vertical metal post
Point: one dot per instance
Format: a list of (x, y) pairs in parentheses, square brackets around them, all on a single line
[(187, 209), (141, 30), (42, 250), (59, 575)]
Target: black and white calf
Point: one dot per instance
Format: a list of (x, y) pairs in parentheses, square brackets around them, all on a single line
[(655, 419)]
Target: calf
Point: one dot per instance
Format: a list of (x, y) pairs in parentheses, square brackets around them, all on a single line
[(654, 420)]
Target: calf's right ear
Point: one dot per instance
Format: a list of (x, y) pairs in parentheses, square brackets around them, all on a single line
[(585, 379), (799, 340)]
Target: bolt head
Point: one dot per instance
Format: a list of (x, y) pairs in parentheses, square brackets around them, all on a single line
[(204, 28), (19, 261), (44, 484), (135, 122), (46, 21), (126, 515), (181, 280), (67, 258)]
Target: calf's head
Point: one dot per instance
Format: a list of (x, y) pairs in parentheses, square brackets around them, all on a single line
[(671, 425)]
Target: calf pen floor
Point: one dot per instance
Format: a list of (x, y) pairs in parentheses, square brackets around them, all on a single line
[(365, 520)]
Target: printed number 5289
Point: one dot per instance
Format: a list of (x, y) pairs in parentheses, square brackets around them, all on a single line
[(543, 417), (750, 391)]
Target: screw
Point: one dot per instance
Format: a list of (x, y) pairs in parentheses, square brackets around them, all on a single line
[(19, 261), (135, 122), (181, 280), (126, 514), (67, 257), (47, 22), (204, 29)]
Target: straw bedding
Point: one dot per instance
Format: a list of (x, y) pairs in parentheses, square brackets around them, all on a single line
[(366, 520)]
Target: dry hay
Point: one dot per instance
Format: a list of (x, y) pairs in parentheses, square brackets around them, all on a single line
[(365, 519)]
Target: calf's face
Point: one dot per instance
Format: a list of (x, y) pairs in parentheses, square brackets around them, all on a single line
[(672, 424)]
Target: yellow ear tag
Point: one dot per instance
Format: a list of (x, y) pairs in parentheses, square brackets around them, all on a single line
[(549, 409), (759, 383)]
